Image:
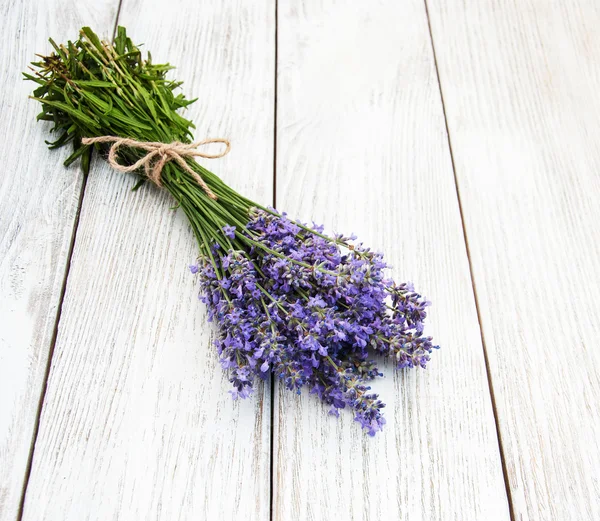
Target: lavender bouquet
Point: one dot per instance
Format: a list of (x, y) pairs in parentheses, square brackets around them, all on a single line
[(287, 298)]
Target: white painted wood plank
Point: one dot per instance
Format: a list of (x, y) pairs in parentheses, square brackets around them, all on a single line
[(37, 213), (361, 146), (137, 422), (521, 82)]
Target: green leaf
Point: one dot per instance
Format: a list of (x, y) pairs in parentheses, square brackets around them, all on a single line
[(75, 155), (138, 184), (95, 83), (69, 110), (117, 114), (100, 103), (149, 104), (86, 159), (61, 141), (33, 78), (92, 37), (120, 40), (58, 50)]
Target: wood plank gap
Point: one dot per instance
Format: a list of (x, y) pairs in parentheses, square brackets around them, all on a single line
[(40, 405), (471, 274), (114, 33), (275, 114), (63, 289), (272, 449), (273, 380)]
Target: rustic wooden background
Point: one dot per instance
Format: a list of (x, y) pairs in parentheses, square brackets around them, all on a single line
[(460, 137)]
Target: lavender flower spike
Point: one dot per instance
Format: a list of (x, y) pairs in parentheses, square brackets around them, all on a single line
[(311, 309)]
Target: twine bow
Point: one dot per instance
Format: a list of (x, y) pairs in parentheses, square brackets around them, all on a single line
[(159, 154)]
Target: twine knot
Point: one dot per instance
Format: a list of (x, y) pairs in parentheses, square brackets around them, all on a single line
[(158, 155)]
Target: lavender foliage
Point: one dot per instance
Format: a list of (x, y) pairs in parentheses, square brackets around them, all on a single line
[(310, 308)]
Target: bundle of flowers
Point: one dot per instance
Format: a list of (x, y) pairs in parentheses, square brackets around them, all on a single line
[(287, 298)]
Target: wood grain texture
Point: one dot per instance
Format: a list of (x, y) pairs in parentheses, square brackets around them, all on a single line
[(137, 422), (362, 146), (39, 204), (520, 83)]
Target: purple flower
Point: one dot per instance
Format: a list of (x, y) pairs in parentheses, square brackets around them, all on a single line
[(229, 231), (312, 310)]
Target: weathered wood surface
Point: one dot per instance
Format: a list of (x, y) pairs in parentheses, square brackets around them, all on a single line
[(39, 201), (137, 422), (520, 82), (362, 146)]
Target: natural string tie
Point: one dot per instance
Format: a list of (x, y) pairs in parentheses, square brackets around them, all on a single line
[(159, 154)]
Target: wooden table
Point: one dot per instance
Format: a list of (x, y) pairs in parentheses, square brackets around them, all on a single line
[(460, 137)]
